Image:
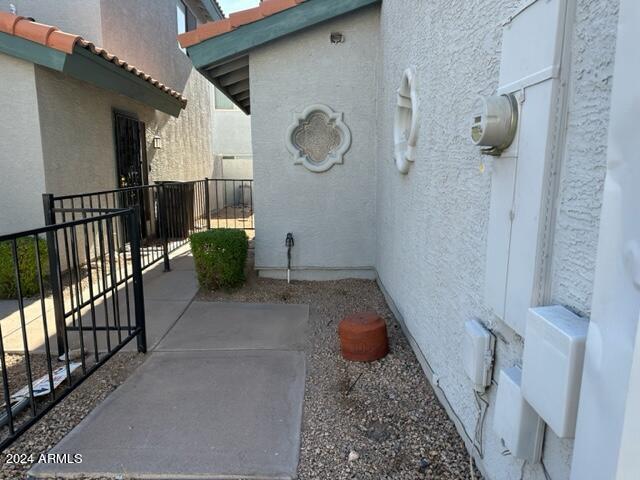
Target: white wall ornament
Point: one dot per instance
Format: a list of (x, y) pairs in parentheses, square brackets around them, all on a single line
[(318, 138), (406, 122)]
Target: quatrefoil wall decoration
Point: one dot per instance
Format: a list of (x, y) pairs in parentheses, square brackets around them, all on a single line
[(318, 138)]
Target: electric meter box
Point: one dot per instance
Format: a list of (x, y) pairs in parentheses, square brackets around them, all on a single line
[(495, 122), (477, 350), (552, 365), (516, 423)]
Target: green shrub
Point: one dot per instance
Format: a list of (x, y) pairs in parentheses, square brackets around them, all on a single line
[(220, 256), (29, 284)]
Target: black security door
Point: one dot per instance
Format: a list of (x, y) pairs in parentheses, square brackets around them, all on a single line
[(132, 163)]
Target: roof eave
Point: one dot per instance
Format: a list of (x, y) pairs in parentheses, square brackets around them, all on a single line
[(232, 47), (239, 41), (84, 65)]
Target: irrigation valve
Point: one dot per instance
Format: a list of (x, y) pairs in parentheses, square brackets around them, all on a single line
[(289, 243)]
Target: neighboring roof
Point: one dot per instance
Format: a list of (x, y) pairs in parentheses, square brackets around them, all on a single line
[(205, 10), (68, 53), (235, 20), (219, 50)]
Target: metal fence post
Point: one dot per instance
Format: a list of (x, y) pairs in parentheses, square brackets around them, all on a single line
[(163, 213), (138, 290), (207, 207), (54, 280)]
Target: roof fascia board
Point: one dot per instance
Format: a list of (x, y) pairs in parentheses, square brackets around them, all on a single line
[(94, 69), (86, 66), (32, 52), (246, 37)]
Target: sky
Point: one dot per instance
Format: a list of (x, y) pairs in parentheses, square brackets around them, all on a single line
[(230, 6)]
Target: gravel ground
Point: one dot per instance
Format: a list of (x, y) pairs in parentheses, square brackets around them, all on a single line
[(66, 415), (379, 420)]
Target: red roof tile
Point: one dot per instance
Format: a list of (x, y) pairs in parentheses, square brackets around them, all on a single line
[(235, 20), (51, 37)]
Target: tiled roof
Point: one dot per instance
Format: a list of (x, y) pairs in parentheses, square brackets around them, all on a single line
[(235, 20), (51, 37)]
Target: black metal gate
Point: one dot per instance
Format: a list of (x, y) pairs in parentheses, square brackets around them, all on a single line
[(90, 270)]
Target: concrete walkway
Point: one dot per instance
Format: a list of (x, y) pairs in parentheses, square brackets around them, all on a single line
[(219, 397)]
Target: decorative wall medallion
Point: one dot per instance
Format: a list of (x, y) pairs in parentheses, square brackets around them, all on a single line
[(406, 125), (318, 138)]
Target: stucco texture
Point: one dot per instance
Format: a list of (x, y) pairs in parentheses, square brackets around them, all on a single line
[(584, 168), (21, 163), (331, 214), (62, 128), (232, 132), (432, 223)]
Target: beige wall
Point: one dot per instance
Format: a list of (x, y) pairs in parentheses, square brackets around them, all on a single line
[(145, 33), (21, 165), (79, 145), (65, 132)]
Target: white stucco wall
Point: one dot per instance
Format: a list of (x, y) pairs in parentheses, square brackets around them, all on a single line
[(21, 163), (331, 214), (432, 223), (584, 167), (231, 132)]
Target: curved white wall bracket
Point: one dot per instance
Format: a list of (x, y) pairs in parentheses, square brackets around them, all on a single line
[(406, 122), (318, 138)]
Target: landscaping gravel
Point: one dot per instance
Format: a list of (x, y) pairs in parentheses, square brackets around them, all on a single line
[(66, 415), (378, 420)]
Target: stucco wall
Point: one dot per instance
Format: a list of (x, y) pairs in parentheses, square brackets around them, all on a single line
[(144, 32), (236, 168), (81, 17), (21, 164), (231, 132), (331, 214), (77, 118), (432, 223), (79, 145), (584, 168), (187, 151)]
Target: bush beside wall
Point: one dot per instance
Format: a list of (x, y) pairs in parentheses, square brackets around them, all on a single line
[(219, 257), (28, 269)]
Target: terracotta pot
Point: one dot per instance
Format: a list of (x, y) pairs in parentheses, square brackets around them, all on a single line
[(363, 337)]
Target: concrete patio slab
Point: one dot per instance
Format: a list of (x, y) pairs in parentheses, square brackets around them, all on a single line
[(234, 326), (206, 414)]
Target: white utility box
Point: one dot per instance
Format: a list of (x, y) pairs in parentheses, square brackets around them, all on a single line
[(477, 351), (552, 365), (515, 422)]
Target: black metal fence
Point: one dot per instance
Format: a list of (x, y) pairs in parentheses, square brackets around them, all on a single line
[(168, 211), (78, 282), (79, 300)]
